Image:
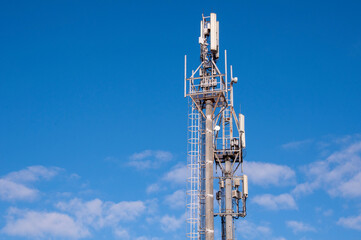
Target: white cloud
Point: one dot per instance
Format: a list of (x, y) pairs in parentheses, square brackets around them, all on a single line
[(123, 211), (171, 223), (89, 213), (75, 220), (249, 230), (14, 191), (350, 188), (350, 222), (176, 199), (296, 144), (339, 174), (14, 186), (272, 202), (148, 238), (32, 174), (42, 224), (152, 206), (177, 175), (305, 188), (101, 214), (264, 174), (149, 159), (155, 187), (141, 155), (163, 155), (142, 238), (300, 227), (347, 153), (121, 233), (328, 213)]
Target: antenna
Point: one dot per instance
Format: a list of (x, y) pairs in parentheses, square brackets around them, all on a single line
[(212, 142)]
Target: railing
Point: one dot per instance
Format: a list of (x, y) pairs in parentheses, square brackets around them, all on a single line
[(193, 173)]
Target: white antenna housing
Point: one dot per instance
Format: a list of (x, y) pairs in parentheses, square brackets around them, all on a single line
[(245, 185), (214, 35), (242, 132)]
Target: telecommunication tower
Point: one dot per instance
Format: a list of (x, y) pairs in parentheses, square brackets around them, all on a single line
[(216, 140)]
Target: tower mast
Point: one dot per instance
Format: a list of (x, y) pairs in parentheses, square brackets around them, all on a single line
[(210, 146)]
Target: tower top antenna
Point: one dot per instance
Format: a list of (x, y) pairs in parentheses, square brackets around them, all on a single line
[(209, 37)]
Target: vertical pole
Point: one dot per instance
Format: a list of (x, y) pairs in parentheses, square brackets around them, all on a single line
[(228, 195), (225, 68), (223, 131), (185, 75), (209, 172)]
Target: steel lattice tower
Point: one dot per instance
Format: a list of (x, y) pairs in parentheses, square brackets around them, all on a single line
[(216, 139)]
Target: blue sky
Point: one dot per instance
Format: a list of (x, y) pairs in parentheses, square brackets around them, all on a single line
[(93, 120)]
